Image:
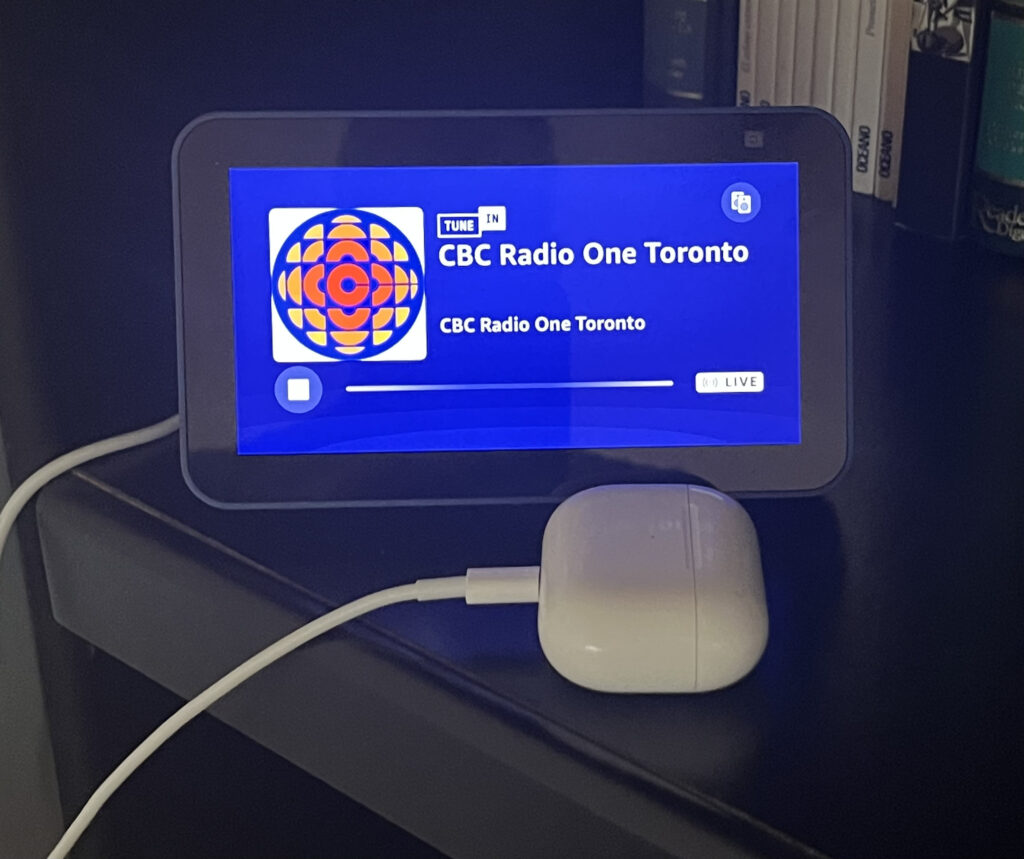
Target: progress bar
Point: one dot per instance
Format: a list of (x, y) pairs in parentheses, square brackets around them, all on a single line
[(509, 386)]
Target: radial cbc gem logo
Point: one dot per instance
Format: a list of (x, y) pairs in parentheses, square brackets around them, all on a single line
[(347, 284)]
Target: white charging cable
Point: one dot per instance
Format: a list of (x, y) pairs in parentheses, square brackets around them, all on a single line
[(477, 587), (39, 478)]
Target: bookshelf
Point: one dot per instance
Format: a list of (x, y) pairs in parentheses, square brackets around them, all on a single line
[(906, 78)]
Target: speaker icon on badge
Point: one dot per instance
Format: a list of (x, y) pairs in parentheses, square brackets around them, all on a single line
[(741, 202)]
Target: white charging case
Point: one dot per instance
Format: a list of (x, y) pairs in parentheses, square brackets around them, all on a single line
[(651, 588)]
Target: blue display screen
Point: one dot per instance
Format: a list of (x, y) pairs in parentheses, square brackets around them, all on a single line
[(386, 309)]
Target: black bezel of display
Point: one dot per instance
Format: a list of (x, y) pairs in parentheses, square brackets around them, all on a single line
[(210, 145)]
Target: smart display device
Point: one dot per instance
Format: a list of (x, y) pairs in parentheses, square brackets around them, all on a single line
[(481, 307)]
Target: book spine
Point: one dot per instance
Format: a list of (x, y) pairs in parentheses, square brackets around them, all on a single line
[(786, 45), (764, 67), (803, 51), (874, 15), (675, 33), (746, 61), (825, 24), (721, 52), (998, 204), (845, 79), (894, 93), (944, 75)]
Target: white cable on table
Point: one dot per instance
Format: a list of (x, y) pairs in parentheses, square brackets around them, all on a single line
[(480, 586), (39, 478), (422, 590)]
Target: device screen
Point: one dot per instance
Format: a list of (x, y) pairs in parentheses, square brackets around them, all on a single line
[(402, 309)]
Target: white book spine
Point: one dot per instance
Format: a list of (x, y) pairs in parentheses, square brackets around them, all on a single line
[(825, 24), (845, 79), (803, 51), (894, 99), (867, 97), (764, 66), (746, 53), (786, 42)]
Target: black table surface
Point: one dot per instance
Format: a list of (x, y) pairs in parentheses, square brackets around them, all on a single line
[(884, 719)]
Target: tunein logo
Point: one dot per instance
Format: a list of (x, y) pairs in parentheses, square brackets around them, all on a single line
[(347, 284)]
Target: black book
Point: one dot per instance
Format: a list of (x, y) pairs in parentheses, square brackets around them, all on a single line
[(939, 127), (998, 206), (690, 52)]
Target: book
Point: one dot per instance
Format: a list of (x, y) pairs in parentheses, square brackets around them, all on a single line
[(998, 200), (785, 41), (723, 33), (689, 51), (845, 75), (894, 93), (825, 31), (747, 53), (803, 51), (674, 60), (944, 75), (874, 16), (764, 60)]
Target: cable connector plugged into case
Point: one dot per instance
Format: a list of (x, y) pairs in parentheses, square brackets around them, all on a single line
[(502, 585)]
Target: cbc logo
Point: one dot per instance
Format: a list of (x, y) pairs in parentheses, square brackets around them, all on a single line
[(347, 284)]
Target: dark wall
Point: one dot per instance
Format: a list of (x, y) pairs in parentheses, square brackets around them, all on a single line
[(92, 97)]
